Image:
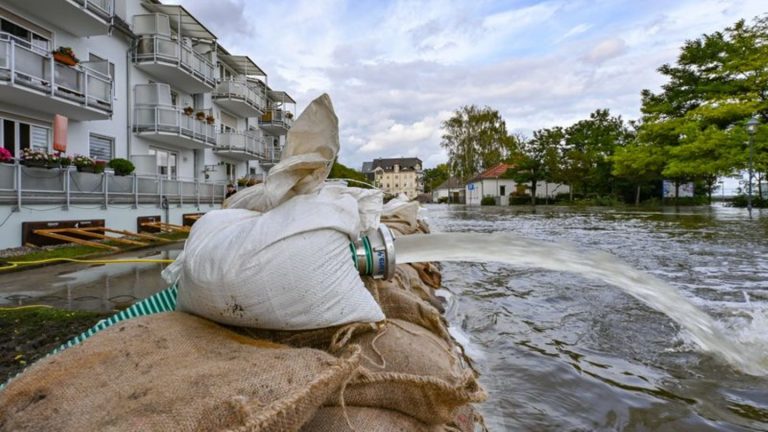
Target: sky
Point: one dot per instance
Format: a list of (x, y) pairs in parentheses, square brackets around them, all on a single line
[(396, 69)]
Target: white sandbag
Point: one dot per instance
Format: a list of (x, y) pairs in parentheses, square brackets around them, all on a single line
[(310, 149), (287, 269), (279, 257)]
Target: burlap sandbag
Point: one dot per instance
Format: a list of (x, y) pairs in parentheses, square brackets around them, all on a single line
[(172, 371), (407, 369), (417, 286), (429, 274), (403, 305), (332, 419)]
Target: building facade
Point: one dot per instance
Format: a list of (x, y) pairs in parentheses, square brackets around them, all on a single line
[(450, 191), (150, 84), (396, 176), (490, 183)]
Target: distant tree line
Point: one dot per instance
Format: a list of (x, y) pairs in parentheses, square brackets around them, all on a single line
[(694, 129)]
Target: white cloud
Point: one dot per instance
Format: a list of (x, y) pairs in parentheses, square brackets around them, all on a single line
[(397, 69), (605, 50)]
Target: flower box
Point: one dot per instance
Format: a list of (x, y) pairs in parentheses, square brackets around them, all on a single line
[(64, 59)]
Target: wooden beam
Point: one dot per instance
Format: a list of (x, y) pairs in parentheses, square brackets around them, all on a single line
[(137, 235), (106, 237), (74, 240)]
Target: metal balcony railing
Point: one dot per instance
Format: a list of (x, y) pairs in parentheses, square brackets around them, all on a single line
[(234, 89), (277, 117), (24, 65), (171, 120), (247, 142), (164, 49), (21, 185), (102, 8)]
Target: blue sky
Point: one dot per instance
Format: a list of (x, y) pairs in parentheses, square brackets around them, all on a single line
[(396, 69)]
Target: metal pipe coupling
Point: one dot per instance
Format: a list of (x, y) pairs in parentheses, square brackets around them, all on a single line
[(374, 253)]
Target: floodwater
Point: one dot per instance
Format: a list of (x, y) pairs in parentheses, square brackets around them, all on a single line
[(561, 352), (558, 351), (88, 287)]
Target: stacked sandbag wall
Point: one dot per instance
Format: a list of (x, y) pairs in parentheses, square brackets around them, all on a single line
[(175, 371)]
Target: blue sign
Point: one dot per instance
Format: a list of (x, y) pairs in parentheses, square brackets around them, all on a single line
[(471, 186)]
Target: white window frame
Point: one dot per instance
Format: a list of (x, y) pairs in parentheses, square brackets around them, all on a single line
[(104, 137)]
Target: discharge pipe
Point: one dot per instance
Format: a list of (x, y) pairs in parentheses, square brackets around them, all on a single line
[(374, 253)]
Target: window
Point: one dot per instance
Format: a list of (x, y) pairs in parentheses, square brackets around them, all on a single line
[(502, 190), (166, 163), (34, 40), (101, 147), (28, 136)]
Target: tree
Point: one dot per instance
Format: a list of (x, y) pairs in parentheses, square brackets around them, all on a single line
[(718, 82), (433, 177), (589, 146), (340, 171), (475, 138), (537, 158)]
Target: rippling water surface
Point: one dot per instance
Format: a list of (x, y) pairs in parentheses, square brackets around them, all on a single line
[(561, 352)]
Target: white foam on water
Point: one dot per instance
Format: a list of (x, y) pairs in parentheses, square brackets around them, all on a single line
[(741, 342)]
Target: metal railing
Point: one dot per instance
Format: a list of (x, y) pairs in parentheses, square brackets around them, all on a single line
[(171, 120), (277, 117), (250, 142), (250, 94), (164, 49), (21, 185), (24, 65), (103, 8)]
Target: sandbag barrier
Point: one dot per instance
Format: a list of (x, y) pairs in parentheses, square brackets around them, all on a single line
[(174, 371)]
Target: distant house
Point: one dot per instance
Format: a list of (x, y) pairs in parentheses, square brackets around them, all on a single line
[(490, 184), (451, 190), (396, 175)]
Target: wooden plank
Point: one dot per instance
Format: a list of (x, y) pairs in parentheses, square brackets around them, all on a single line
[(137, 235), (106, 237), (69, 239), (28, 230), (167, 226)]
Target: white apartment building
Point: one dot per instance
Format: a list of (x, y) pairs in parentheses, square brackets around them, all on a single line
[(152, 86)]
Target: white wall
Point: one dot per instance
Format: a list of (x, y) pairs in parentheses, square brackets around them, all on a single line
[(118, 218), (489, 187)]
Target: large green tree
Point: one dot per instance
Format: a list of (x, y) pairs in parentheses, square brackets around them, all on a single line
[(433, 177), (588, 147), (475, 138), (537, 158), (698, 118)]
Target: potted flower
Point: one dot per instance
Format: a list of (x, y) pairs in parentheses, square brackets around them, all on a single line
[(210, 119), (200, 115), (84, 164), (242, 182), (36, 158), (188, 110), (122, 167), (66, 56), (62, 160), (289, 115), (5, 156)]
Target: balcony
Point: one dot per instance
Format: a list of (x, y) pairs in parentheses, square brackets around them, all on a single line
[(240, 98), (21, 185), (276, 121), (172, 61), (29, 77), (169, 125), (248, 145), (80, 17)]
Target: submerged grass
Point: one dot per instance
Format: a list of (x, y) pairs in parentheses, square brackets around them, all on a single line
[(28, 333)]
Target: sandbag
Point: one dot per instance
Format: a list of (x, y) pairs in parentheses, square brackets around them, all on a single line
[(332, 419), (172, 371), (287, 269), (429, 274), (397, 303), (406, 368)]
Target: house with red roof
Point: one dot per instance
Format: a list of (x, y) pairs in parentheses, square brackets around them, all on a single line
[(491, 183)]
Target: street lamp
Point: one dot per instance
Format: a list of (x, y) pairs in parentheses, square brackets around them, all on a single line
[(751, 127)]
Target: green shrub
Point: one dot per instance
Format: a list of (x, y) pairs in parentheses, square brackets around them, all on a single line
[(488, 200), (519, 199), (741, 201), (122, 166), (443, 200)]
